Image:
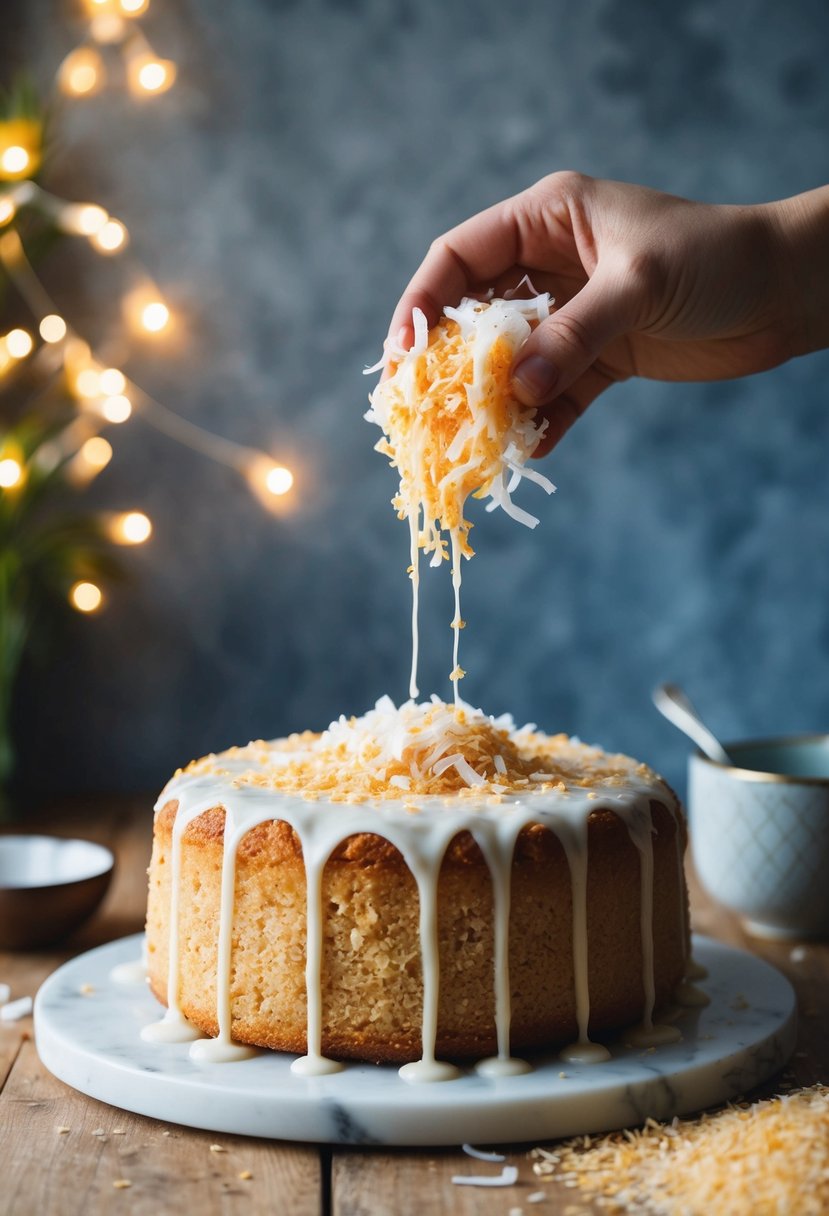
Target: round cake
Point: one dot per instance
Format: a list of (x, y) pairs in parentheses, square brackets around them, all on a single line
[(418, 884)]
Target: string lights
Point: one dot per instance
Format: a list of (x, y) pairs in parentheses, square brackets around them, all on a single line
[(104, 396)]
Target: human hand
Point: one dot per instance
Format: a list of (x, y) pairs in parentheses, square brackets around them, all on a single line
[(645, 284)]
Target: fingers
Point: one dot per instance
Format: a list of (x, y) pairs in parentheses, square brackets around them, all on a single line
[(569, 406), (474, 253), (564, 346)]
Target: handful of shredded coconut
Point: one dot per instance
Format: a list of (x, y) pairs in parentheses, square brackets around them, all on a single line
[(452, 428)]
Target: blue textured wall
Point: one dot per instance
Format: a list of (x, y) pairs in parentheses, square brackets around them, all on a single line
[(282, 194)]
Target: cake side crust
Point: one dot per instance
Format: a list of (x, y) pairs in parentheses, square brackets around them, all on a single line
[(372, 988)]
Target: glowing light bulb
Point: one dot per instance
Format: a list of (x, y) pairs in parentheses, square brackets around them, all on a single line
[(132, 528), (11, 473), (147, 74), (110, 237), (85, 596), (83, 218), (155, 316), (134, 8), (270, 482), (279, 480), (81, 73), (88, 382), (112, 382), (116, 408), (96, 452), (8, 210), (52, 328), (14, 159), (19, 343), (107, 28)]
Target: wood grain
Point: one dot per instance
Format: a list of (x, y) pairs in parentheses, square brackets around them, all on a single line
[(55, 1173), (171, 1168)]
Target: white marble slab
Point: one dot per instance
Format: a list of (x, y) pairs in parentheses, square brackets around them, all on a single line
[(91, 1041)]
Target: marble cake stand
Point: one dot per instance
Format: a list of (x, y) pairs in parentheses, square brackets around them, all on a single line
[(90, 1040)]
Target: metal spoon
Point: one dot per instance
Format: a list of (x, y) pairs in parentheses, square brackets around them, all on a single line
[(673, 704)]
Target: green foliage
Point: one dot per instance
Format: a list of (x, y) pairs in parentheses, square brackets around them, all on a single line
[(45, 547), (21, 100)]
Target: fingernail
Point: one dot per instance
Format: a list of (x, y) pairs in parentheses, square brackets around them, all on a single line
[(534, 380)]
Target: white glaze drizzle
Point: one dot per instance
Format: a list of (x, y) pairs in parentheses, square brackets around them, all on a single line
[(690, 996), (422, 838), (134, 972), (222, 1049), (314, 1063), (573, 837), (695, 970), (174, 1026), (498, 850), (647, 1033)]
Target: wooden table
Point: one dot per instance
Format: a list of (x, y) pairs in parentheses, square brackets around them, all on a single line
[(44, 1172)]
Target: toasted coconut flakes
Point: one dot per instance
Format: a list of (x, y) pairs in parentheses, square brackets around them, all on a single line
[(121, 1184), (422, 749), (217, 1148), (245, 1175), (769, 1158), (453, 429)]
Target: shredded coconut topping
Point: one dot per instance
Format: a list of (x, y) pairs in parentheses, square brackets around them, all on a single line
[(426, 748), (452, 428), (769, 1158)]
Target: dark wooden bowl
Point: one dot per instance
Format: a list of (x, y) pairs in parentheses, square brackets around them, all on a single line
[(48, 887)]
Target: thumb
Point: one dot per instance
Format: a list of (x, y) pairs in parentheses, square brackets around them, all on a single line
[(567, 343)]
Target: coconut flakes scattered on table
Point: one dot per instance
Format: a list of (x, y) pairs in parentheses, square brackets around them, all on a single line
[(766, 1158), (507, 1177), (15, 1010), (481, 1154)]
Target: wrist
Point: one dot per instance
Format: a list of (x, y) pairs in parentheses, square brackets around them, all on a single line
[(800, 233)]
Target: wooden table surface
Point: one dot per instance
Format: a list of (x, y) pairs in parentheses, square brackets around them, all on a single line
[(172, 1169)]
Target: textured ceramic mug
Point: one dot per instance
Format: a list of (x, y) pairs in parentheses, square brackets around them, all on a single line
[(760, 833)]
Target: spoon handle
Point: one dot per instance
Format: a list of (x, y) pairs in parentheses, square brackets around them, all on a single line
[(674, 705)]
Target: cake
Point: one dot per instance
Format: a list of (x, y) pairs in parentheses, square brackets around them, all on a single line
[(445, 887), (425, 883)]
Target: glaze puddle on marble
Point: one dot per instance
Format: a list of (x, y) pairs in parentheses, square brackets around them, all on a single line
[(93, 1043)]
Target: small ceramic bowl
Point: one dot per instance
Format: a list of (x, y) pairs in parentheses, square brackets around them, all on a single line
[(760, 833), (48, 887)]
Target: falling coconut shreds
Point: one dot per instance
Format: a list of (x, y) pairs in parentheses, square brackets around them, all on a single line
[(768, 1158), (453, 430)]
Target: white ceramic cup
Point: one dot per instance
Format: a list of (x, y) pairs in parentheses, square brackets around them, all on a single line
[(759, 833)]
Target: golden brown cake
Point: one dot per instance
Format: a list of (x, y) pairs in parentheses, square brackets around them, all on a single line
[(594, 885)]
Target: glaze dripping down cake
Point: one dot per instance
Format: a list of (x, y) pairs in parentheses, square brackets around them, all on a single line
[(418, 884)]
